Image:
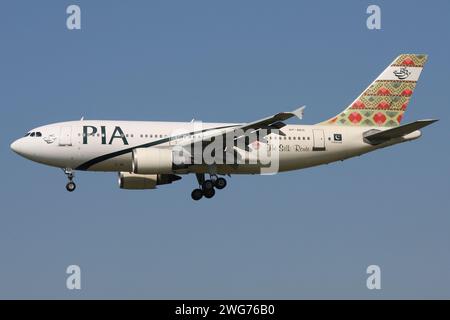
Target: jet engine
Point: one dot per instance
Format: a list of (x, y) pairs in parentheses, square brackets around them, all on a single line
[(152, 161), (128, 180)]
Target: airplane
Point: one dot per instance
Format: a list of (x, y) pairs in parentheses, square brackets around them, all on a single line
[(146, 154)]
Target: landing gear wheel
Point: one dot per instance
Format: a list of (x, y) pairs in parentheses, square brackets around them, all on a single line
[(220, 183), (207, 185), (197, 194), (70, 186), (209, 193)]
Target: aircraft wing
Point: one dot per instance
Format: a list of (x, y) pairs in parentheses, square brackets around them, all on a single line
[(272, 122), (396, 132), (275, 121)]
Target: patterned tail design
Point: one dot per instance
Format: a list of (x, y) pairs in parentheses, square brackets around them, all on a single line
[(385, 100)]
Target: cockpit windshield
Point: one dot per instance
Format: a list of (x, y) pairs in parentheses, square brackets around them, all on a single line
[(34, 134)]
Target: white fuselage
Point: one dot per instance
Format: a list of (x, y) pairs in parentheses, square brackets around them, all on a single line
[(97, 145)]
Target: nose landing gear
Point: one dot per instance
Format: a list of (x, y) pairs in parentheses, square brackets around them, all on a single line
[(70, 186), (207, 187)]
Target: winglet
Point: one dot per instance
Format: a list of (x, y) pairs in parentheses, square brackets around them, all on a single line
[(299, 112)]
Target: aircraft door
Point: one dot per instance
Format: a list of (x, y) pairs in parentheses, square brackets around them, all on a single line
[(318, 140), (65, 136)]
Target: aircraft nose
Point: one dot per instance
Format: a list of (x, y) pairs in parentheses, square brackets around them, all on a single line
[(18, 146)]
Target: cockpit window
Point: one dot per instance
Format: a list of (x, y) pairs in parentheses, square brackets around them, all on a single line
[(34, 134)]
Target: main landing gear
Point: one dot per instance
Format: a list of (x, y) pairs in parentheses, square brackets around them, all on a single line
[(207, 187), (70, 186)]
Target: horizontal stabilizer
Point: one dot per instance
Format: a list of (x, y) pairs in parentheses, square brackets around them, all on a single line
[(377, 137)]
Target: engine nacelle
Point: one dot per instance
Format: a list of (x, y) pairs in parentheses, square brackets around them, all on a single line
[(128, 180), (152, 160)]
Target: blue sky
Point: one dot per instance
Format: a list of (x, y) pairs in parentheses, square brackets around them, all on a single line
[(304, 234)]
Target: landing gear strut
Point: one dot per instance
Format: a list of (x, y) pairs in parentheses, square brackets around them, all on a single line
[(206, 188), (70, 186)]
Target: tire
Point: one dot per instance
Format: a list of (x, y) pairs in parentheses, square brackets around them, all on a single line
[(71, 186), (207, 185), (209, 193), (197, 194), (220, 183)]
